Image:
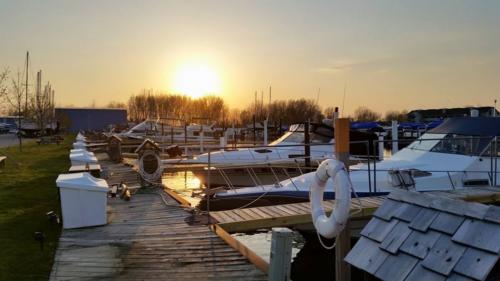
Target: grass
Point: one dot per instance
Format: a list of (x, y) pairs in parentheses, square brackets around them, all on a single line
[(27, 193)]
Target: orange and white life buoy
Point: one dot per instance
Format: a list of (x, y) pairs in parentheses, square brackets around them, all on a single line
[(330, 226)]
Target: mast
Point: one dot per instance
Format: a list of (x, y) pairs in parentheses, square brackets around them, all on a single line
[(26, 98)]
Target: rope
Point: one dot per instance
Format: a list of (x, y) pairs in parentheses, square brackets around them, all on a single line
[(156, 174)]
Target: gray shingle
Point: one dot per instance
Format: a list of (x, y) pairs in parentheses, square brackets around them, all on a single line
[(419, 244), (396, 237), (447, 223), (423, 219), (458, 277), (476, 210), (366, 255), (412, 197), (479, 234), (387, 210), (377, 229), (449, 205), (443, 256), (420, 273), (396, 267), (407, 212), (476, 264), (493, 214)]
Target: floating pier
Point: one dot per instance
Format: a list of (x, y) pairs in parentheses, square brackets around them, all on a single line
[(150, 237), (251, 219)]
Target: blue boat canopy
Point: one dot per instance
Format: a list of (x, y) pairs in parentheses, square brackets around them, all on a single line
[(469, 126), (365, 125)]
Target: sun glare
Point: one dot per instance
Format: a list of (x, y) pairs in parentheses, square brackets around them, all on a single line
[(197, 80)]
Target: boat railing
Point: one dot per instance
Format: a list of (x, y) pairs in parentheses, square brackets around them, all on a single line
[(490, 151)]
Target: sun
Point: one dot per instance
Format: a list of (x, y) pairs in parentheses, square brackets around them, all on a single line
[(197, 80)]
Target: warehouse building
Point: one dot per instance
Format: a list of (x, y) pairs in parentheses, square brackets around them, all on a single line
[(90, 119)]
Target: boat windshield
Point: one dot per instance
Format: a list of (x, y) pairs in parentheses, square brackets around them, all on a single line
[(298, 137), (460, 144), (426, 142), (451, 144)]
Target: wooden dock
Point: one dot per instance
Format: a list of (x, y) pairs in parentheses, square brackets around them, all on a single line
[(152, 237), (251, 219)]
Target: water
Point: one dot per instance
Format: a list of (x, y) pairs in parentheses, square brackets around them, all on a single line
[(260, 243), (184, 183)]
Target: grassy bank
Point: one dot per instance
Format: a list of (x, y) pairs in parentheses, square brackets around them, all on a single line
[(27, 193)]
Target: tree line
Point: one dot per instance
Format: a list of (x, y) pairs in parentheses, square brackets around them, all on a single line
[(151, 105)]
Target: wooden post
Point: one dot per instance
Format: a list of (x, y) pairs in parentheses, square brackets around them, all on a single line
[(343, 240), (281, 254)]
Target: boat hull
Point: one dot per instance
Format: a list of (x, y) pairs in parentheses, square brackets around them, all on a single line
[(268, 199)]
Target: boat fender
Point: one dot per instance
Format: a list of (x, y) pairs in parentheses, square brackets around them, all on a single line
[(330, 226)]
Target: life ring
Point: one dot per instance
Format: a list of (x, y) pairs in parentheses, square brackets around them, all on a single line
[(150, 166), (330, 226)]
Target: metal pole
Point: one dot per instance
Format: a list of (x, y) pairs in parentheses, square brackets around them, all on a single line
[(496, 157), (201, 140), (172, 134), (265, 132), (254, 131), (369, 172), (307, 143), (394, 132), (374, 170), (381, 146), (208, 185)]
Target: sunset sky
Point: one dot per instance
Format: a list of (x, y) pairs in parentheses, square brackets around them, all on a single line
[(388, 54)]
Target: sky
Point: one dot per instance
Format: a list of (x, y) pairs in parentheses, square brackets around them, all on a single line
[(385, 55)]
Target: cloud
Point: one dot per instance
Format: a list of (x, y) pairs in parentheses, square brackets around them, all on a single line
[(347, 64)]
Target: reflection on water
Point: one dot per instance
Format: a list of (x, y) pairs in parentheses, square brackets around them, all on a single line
[(260, 243), (184, 183)]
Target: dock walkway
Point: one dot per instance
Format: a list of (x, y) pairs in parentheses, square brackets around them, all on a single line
[(241, 220), (149, 237), (250, 219)]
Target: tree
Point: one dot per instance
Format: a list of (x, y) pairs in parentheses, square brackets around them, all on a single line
[(116, 104), (14, 99), (399, 116), (4, 76), (328, 112), (365, 114)]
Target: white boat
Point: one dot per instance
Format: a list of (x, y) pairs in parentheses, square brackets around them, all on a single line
[(162, 131), (457, 154), (282, 159)]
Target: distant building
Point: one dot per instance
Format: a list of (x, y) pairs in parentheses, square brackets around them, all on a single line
[(96, 119), (10, 120), (428, 115)]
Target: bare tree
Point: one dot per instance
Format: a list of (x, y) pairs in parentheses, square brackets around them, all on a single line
[(365, 114), (14, 99), (41, 105), (396, 115), (116, 104), (4, 75)]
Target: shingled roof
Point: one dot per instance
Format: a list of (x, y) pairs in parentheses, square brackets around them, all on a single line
[(418, 236)]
